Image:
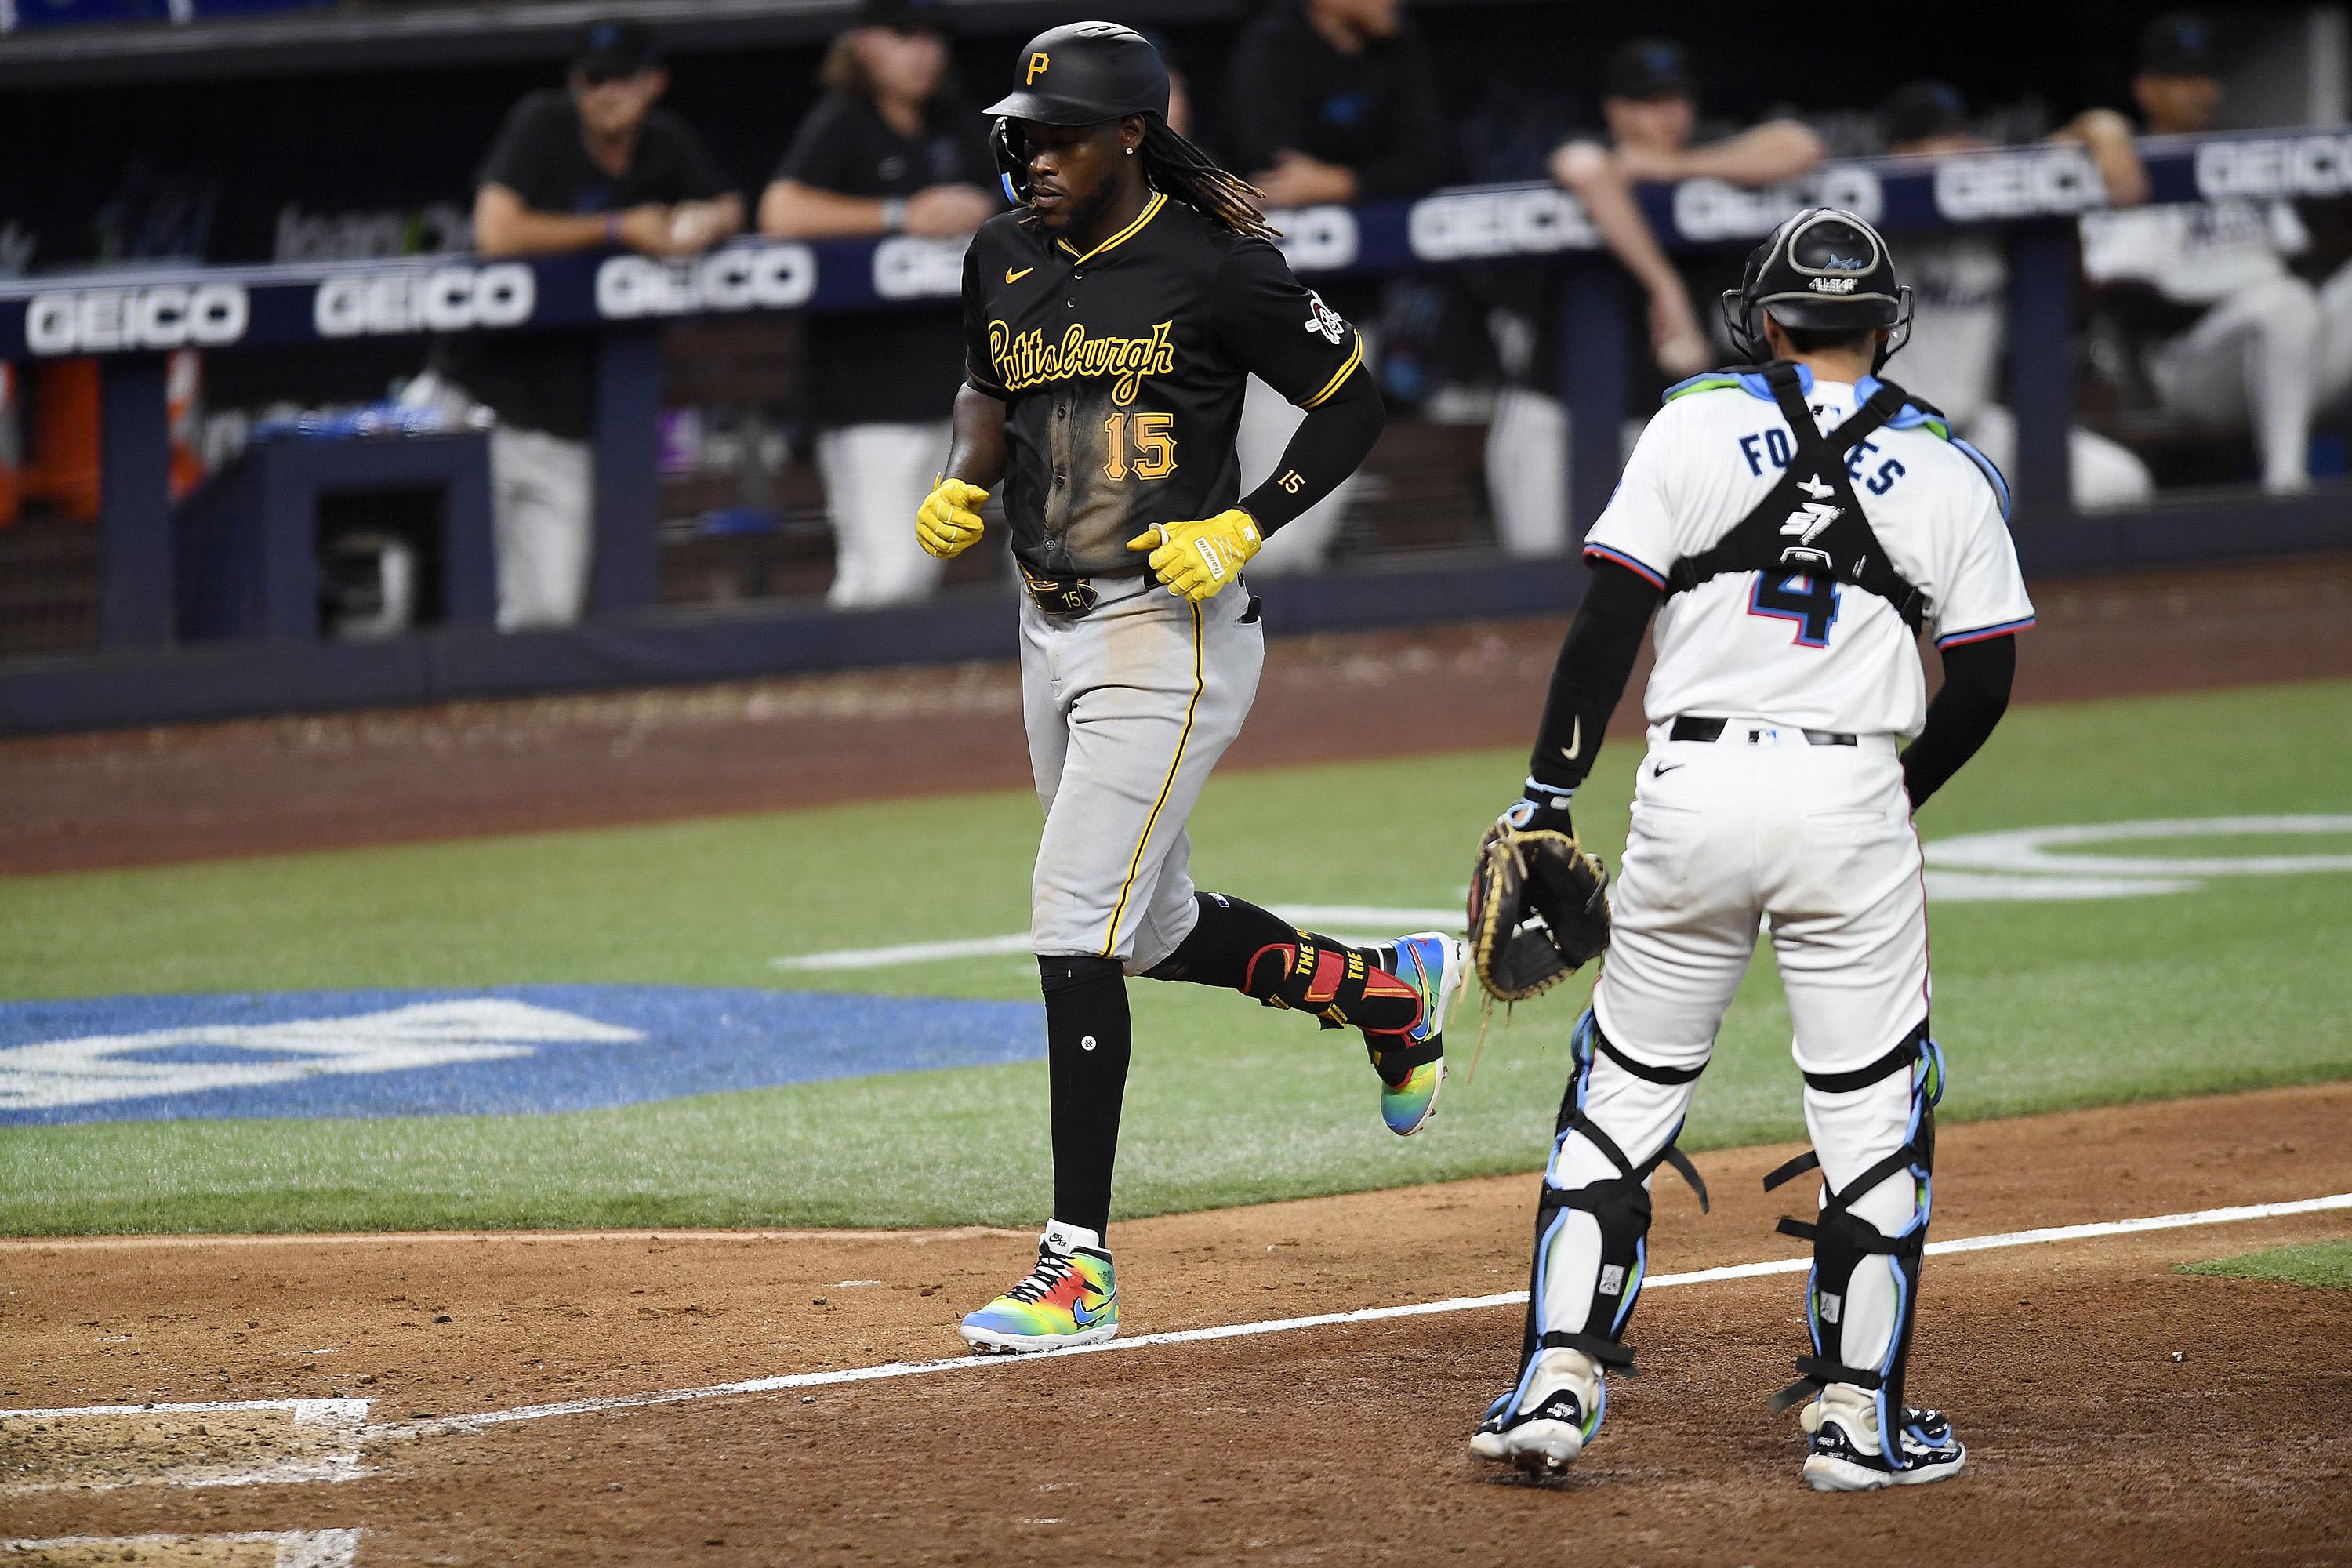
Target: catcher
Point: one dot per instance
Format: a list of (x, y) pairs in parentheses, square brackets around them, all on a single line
[(1794, 524)]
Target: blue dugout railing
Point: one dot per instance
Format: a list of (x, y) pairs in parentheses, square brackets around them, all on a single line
[(132, 320)]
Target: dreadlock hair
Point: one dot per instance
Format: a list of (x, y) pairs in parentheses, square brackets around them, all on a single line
[(1175, 165)]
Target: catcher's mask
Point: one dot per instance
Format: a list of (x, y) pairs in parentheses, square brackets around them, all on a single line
[(1079, 74), (1821, 270)]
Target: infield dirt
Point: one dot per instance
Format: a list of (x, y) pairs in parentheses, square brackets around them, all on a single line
[(2090, 1442)]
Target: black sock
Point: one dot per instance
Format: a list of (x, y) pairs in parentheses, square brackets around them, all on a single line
[(1088, 1040), (1231, 935)]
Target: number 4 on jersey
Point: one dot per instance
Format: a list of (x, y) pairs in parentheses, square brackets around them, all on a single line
[(1811, 602)]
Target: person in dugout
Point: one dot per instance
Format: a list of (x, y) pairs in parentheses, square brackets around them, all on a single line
[(587, 167), (1327, 102), (890, 148)]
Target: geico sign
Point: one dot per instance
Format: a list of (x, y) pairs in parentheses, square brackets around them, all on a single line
[(1517, 222), (2055, 180), (1710, 209), (445, 299), (2276, 166), (1317, 239), (906, 268), (740, 277), (156, 316)]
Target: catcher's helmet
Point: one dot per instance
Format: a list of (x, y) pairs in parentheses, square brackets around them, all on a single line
[(1082, 73), (1824, 270)]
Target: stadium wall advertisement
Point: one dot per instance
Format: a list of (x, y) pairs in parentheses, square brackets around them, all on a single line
[(277, 306)]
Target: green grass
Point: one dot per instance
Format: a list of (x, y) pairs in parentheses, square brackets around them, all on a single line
[(2040, 1005), (2324, 1265)]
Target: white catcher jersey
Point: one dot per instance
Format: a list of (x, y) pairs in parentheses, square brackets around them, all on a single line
[(1766, 645)]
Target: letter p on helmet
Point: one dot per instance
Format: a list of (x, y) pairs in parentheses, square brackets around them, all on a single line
[(1037, 64)]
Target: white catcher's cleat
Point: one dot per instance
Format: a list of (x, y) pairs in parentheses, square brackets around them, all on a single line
[(1846, 1455), (1544, 1422)]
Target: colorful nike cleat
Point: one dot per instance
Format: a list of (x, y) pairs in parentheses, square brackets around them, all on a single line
[(1412, 1074), (1070, 1298)]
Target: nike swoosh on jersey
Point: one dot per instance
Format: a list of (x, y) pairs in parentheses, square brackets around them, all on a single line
[(1012, 277), (1575, 740)]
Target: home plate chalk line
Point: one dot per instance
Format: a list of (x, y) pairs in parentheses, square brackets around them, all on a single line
[(462, 1424)]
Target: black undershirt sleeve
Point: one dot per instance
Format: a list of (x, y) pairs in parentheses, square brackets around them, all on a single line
[(1595, 661), (1975, 693), (1337, 436)]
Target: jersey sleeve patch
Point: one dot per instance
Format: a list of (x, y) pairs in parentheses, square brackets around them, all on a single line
[(1984, 634), (1656, 579)]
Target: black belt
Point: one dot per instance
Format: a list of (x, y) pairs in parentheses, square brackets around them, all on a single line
[(1712, 729), (1059, 595)]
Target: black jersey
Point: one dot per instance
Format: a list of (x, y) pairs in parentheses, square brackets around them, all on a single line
[(1122, 371)]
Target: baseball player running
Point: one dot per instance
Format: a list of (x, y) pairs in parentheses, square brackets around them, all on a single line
[(1793, 525), (1112, 321)]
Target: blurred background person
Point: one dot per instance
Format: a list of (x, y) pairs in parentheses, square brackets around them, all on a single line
[(584, 168), (2222, 331), (1649, 106), (1959, 321), (890, 148), (1327, 100)]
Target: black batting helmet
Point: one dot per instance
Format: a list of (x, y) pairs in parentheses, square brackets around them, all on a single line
[(1082, 73), (1821, 270)]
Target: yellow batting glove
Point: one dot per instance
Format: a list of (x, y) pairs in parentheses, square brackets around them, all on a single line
[(947, 523), (1196, 560)]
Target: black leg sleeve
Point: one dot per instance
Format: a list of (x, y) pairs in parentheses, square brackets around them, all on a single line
[(1088, 1040), (1257, 952), (1595, 661), (1975, 694)]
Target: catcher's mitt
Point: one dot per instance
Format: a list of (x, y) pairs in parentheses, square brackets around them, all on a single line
[(1541, 872)]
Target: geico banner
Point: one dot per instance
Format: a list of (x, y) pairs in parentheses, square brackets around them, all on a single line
[(1707, 210), (155, 316), (443, 299), (1520, 221), (2275, 167), (2044, 182), (1318, 240), (907, 268), (740, 277)]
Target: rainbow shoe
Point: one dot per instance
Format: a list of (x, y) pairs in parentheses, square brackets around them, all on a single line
[(1410, 1075), (1070, 1298)]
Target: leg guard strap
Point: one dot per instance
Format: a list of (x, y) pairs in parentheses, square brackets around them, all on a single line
[(1817, 1374), (1606, 1353)]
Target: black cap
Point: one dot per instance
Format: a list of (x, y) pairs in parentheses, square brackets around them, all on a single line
[(1085, 73), (2179, 44), (610, 49), (1648, 68), (1918, 109), (903, 15), (1824, 270)]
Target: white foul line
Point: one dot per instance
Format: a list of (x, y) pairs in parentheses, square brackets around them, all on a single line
[(1352, 917), (1324, 1320)]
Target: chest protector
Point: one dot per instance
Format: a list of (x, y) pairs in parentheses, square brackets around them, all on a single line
[(1812, 521)]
